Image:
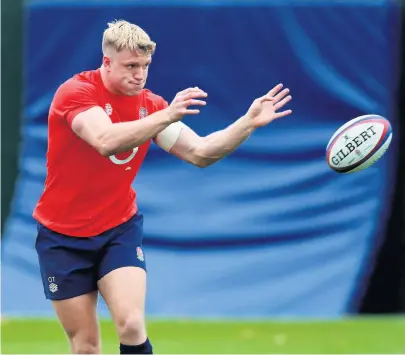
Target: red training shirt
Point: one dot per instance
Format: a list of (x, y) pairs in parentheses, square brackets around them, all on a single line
[(85, 193)]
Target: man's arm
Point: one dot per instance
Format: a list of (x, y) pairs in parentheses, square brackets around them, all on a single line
[(204, 151), (95, 127)]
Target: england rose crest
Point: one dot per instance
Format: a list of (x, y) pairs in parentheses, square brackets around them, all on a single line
[(139, 254), (143, 112)]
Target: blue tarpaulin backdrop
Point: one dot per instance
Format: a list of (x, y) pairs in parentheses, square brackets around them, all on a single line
[(269, 231)]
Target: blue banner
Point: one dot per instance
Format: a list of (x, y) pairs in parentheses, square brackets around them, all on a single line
[(270, 231)]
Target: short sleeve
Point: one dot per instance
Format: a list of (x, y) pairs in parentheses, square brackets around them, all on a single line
[(164, 104), (154, 102), (74, 97)]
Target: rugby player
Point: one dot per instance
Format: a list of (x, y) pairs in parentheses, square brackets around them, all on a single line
[(100, 125)]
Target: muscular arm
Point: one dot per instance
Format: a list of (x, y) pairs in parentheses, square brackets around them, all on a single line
[(204, 151), (96, 128)]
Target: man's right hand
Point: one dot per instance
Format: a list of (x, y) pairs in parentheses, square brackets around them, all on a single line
[(183, 99)]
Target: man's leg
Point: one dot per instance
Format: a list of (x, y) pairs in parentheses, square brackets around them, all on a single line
[(78, 316), (69, 278), (122, 283), (124, 291)]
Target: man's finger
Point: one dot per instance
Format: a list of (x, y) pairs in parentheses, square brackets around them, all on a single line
[(189, 90), (265, 98), (273, 92), (282, 114), (280, 104), (191, 112), (193, 95), (281, 95), (192, 102)]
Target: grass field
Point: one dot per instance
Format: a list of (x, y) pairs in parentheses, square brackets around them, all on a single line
[(357, 335)]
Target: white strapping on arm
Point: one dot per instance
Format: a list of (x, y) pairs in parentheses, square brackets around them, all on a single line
[(168, 137)]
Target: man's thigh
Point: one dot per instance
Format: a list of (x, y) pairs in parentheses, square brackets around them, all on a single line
[(122, 274), (124, 291), (69, 276)]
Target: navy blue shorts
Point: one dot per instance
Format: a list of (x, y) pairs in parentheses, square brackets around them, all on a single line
[(71, 266)]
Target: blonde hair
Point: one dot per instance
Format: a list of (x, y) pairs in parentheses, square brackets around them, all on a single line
[(122, 35)]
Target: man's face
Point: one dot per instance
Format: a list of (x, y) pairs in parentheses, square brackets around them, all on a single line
[(127, 71)]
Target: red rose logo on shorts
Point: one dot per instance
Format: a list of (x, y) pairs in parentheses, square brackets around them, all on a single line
[(139, 254)]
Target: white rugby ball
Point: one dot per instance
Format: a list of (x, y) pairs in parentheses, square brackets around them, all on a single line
[(359, 143)]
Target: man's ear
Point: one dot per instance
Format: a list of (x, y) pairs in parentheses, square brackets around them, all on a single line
[(107, 62)]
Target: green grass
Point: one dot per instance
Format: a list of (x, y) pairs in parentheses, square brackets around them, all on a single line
[(357, 335)]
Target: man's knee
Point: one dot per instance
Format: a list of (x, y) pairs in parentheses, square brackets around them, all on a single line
[(84, 343), (132, 326)]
